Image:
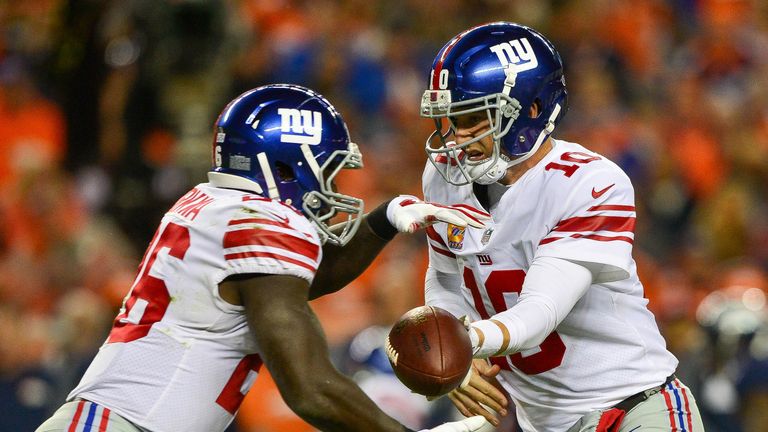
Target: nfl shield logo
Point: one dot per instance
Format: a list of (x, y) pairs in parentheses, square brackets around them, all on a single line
[(486, 236), (455, 236)]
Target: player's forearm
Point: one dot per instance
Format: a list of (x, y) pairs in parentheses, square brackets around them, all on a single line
[(524, 326), (444, 290), (336, 403), (295, 352), (341, 265), (551, 289)]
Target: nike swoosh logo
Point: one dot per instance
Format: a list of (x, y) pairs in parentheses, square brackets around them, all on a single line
[(598, 194), (283, 219)]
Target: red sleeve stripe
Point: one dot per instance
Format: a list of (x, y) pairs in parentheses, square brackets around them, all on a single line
[(597, 223), (431, 233), (256, 254), (612, 207), (434, 236), (260, 237), (442, 251), (596, 237)]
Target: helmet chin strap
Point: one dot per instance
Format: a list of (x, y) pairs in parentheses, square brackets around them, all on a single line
[(495, 169), (548, 129)]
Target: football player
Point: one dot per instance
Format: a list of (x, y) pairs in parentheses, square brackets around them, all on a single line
[(223, 288), (549, 283)]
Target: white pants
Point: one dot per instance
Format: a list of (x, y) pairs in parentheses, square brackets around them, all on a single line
[(671, 409), (85, 416)]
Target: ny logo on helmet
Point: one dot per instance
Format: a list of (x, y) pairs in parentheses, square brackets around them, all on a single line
[(517, 54), (300, 126)]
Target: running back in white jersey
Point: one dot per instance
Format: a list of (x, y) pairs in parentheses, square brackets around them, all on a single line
[(180, 358), (575, 205)]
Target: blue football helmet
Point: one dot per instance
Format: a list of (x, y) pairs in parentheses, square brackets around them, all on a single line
[(502, 69), (288, 143)]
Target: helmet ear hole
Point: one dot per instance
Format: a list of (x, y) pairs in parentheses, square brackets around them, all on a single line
[(285, 172), (535, 110)]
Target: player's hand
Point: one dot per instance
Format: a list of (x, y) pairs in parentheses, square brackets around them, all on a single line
[(481, 394), (472, 424), (408, 214)]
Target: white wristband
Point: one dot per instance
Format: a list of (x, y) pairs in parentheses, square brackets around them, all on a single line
[(489, 338)]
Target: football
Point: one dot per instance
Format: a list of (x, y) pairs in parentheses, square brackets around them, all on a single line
[(429, 350)]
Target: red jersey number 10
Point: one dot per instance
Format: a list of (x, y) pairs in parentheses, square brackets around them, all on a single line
[(551, 350), (575, 157)]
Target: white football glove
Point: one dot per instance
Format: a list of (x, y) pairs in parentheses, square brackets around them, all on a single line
[(408, 214), (470, 424)]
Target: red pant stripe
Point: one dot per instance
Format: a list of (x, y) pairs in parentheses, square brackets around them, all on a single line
[(687, 406), (76, 418), (670, 408), (104, 420)]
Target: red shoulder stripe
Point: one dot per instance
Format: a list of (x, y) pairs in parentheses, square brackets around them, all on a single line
[(442, 251), (254, 254), (597, 223), (612, 207), (595, 237), (260, 237)]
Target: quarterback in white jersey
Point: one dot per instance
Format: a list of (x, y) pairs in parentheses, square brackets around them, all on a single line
[(549, 284), (223, 287), (608, 346)]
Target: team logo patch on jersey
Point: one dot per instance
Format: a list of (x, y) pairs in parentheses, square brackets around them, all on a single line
[(455, 236), (484, 259)]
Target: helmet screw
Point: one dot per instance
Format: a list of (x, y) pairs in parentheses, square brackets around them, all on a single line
[(521, 139), (312, 201)]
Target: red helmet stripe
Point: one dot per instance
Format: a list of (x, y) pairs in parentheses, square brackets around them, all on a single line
[(441, 59), (435, 84)]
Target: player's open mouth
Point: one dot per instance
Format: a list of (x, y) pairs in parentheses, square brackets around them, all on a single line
[(475, 155)]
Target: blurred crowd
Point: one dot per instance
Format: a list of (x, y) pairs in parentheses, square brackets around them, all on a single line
[(106, 109)]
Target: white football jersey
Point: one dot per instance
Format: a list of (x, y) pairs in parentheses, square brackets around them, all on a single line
[(179, 357), (574, 205)]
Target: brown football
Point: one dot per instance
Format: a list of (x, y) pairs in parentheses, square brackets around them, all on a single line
[(429, 350)]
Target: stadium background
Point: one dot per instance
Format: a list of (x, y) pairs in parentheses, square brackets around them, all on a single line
[(106, 109)]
